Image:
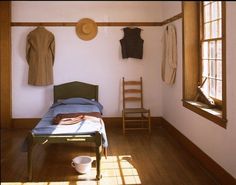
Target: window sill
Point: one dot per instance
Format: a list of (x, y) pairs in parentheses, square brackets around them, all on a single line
[(212, 114)]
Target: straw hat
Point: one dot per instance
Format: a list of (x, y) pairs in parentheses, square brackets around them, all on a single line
[(86, 29)]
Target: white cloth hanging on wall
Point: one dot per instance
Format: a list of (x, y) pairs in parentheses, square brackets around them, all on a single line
[(169, 61)]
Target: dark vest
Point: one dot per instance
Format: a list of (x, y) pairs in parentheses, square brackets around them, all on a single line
[(132, 44)]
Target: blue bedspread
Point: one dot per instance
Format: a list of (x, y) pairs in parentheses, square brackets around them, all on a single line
[(72, 105)]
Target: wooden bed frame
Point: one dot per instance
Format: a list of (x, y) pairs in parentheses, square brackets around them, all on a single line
[(63, 91)]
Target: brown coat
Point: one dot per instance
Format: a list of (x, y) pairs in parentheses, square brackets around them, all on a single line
[(40, 52)]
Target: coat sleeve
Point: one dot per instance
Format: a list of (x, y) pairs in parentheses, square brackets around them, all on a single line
[(173, 48), (27, 48), (163, 55), (52, 49)]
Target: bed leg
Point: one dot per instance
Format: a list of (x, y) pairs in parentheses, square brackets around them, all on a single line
[(98, 154), (98, 160), (105, 152), (30, 151)]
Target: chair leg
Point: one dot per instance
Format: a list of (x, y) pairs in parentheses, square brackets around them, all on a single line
[(123, 121), (143, 122), (149, 121)]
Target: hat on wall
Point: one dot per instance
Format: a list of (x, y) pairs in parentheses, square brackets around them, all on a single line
[(86, 29)]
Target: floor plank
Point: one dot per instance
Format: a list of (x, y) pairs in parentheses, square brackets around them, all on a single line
[(134, 158)]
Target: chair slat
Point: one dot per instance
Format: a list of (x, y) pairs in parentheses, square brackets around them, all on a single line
[(136, 110), (132, 90), (132, 82), (132, 99)]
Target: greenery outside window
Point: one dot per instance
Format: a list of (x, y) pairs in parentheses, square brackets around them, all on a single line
[(204, 65)]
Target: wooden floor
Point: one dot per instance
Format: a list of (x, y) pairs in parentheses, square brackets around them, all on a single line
[(155, 159)]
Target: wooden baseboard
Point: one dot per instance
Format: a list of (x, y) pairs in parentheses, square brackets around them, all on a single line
[(25, 123), (215, 169), (30, 123), (117, 121)]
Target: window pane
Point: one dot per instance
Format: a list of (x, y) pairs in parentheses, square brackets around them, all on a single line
[(212, 87), (214, 11), (220, 28), (220, 9), (219, 69), (219, 50), (219, 90), (212, 69), (205, 68), (206, 13), (214, 29), (205, 50), (205, 87), (207, 31), (212, 50)]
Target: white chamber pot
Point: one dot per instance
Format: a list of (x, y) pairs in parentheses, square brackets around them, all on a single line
[(82, 164)]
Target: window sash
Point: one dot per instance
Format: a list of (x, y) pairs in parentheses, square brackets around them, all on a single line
[(211, 53)]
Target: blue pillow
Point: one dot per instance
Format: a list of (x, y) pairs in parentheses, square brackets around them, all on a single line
[(82, 101), (74, 108)]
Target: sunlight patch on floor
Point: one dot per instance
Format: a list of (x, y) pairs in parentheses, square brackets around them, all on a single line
[(115, 170), (36, 183)]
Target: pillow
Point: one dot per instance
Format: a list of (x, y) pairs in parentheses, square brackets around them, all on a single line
[(73, 108), (82, 101), (76, 101)]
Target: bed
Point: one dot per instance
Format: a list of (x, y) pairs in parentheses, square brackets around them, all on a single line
[(71, 98)]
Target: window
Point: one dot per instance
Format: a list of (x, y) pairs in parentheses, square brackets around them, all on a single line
[(211, 49), (204, 58)]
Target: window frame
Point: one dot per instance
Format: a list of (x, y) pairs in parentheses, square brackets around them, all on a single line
[(192, 75)]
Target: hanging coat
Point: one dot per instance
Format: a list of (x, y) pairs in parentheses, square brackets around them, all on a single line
[(169, 61), (40, 52)]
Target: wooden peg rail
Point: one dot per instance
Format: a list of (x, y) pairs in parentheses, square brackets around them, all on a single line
[(178, 16), (74, 24)]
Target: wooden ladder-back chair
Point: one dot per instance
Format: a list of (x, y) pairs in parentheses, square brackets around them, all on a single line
[(133, 94)]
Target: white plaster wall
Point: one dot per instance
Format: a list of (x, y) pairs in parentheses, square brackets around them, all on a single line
[(215, 141), (117, 11), (97, 61)]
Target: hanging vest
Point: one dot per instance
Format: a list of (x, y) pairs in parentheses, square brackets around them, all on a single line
[(131, 43)]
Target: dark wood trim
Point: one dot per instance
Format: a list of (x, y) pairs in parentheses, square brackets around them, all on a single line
[(174, 18), (5, 62), (129, 23), (215, 169), (183, 53), (219, 121), (30, 123), (25, 123), (200, 36), (190, 49), (224, 61), (74, 23)]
